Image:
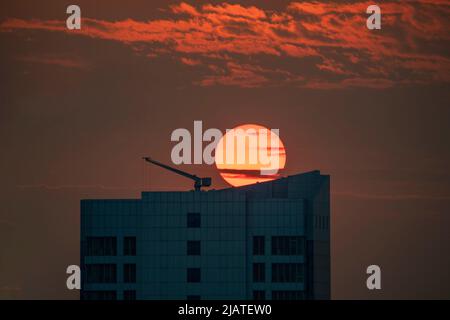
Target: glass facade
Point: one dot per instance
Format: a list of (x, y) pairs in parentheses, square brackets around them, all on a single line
[(256, 242)]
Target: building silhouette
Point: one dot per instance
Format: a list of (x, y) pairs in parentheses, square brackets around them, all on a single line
[(264, 241)]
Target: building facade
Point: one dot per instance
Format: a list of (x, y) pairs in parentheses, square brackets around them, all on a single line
[(265, 241)]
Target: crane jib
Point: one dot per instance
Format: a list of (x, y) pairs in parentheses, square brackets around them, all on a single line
[(198, 182)]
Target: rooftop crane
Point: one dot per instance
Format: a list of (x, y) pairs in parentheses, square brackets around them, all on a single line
[(198, 182)]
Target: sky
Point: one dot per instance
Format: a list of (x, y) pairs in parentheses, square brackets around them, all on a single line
[(79, 109)]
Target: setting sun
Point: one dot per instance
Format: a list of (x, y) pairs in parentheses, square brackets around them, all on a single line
[(249, 154)]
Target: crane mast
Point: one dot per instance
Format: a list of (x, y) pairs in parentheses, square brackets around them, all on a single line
[(198, 182)]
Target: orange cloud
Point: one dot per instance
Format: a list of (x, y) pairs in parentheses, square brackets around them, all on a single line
[(313, 44), (185, 8), (235, 10), (190, 62)]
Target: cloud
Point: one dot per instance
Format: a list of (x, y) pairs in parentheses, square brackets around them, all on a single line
[(189, 61), (315, 44), (237, 10), (57, 61), (243, 75), (185, 8), (372, 83)]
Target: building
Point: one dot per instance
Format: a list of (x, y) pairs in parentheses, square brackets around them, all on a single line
[(264, 241)]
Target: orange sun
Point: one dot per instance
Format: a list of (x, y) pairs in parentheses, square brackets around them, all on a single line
[(249, 154)]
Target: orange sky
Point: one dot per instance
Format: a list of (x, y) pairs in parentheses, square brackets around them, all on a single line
[(370, 108), (227, 42)]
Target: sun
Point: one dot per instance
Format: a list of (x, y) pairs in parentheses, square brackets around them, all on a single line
[(248, 154)]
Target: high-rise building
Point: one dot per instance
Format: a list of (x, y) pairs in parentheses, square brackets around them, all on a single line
[(264, 241)]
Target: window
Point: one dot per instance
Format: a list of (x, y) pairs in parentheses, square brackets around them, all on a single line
[(288, 245), (287, 272), (129, 273), (129, 295), (193, 248), (101, 273), (98, 295), (129, 246), (259, 295), (193, 297), (193, 275), (288, 295), (101, 246), (259, 272), (193, 220), (258, 245)]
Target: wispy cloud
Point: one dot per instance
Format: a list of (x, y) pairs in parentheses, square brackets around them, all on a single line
[(56, 61), (189, 61), (327, 45)]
